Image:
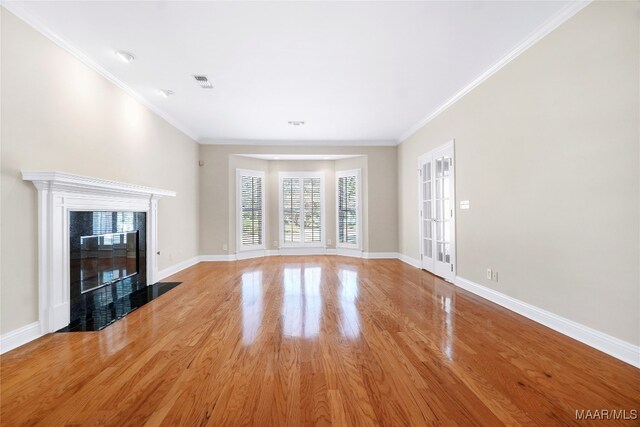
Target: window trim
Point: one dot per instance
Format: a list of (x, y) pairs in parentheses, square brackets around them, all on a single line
[(341, 174), (259, 174), (323, 210)]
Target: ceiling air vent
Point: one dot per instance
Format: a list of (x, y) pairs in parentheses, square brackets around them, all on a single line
[(203, 81)]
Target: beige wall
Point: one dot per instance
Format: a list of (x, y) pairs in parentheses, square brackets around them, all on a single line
[(57, 114), (547, 151), (547, 154), (217, 191)]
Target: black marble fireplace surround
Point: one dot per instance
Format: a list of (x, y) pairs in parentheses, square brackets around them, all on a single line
[(107, 262)]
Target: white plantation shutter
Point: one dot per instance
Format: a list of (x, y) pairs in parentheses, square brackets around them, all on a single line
[(347, 206), (312, 196), (251, 209), (291, 210), (301, 208)]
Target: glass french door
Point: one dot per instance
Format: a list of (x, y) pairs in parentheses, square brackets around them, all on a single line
[(437, 210)]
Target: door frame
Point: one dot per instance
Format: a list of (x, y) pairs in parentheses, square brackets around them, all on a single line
[(421, 159)]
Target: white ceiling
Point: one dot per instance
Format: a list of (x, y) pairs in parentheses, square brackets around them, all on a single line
[(353, 71)]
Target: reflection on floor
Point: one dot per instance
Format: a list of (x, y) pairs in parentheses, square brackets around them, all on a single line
[(313, 340), (98, 309)]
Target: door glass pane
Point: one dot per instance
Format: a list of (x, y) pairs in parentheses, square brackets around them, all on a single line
[(439, 209), (438, 167), (427, 229), (440, 252), (426, 171), (446, 187), (447, 254), (427, 210), (445, 166), (428, 249), (446, 225)]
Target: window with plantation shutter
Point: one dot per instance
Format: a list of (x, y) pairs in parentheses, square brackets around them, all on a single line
[(250, 209), (348, 208), (301, 209), (312, 196), (291, 210)]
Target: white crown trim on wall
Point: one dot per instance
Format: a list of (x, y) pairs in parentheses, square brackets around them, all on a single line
[(306, 143), (86, 60), (547, 27)]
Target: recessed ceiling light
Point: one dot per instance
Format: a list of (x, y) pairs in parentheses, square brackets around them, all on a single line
[(296, 122), (166, 92), (327, 158), (203, 81), (276, 158), (125, 56)]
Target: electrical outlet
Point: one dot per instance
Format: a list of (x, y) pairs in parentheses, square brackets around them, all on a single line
[(275, 243), (494, 277), (224, 247), (489, 274)]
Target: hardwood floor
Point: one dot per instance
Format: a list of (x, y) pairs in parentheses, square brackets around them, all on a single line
[(313, 340)]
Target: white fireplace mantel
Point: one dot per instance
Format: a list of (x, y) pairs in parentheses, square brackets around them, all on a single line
[(58, 194)]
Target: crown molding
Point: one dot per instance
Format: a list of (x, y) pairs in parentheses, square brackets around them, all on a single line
[(35, 23), (547, 27), (306, 142)]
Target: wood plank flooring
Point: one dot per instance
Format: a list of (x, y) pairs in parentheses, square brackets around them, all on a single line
[(313, 341)]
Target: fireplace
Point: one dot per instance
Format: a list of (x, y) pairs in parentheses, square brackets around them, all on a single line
[(107, 265), (105, 248), (94, 236)]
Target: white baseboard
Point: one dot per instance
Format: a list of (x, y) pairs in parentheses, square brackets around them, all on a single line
[(216, 258), (163, 274), (260, 253), (355, 253), (408, 260), (302, 251), (20, 336), (380, 255), (615, 347)]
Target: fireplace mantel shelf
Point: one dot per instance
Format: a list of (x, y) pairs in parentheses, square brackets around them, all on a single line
[(60, 193), (84, 183)]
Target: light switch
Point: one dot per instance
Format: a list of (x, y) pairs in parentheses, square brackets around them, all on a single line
[(464, 204)]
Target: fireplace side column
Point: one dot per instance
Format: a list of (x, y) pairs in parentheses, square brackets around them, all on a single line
[(152, 241)]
